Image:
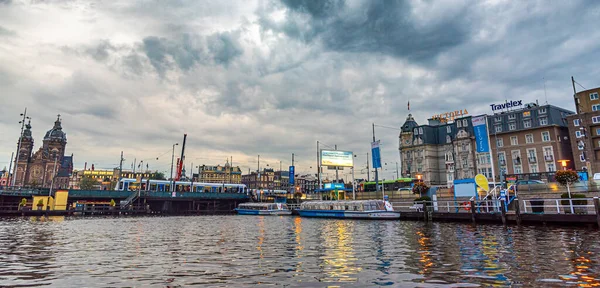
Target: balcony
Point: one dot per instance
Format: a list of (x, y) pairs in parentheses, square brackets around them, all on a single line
[(532, 160), (549, 158)]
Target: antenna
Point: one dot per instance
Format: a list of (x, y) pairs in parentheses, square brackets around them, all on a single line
[(545, 95)]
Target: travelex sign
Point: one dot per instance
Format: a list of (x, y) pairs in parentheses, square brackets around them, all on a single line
[(508, 104)]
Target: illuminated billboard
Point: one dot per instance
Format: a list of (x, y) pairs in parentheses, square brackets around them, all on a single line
[(336, 158)]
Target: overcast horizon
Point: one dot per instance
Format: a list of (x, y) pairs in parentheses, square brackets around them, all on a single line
[(244, 78)]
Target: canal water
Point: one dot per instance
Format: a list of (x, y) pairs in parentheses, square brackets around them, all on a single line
[(241, 251)]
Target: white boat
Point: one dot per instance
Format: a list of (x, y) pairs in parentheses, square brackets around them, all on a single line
[(358, 209), (263, 209)]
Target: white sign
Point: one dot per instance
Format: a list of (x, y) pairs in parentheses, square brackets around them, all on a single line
[(337, 158)]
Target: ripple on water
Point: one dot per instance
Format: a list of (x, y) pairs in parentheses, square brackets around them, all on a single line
[(238, 251)]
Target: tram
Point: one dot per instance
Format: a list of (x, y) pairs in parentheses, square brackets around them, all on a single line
[(130, 184)]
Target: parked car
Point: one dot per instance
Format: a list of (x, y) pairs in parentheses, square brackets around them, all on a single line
[(524, 182)]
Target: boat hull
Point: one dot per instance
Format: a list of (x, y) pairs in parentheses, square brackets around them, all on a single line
[(263, 212), (350, 214)]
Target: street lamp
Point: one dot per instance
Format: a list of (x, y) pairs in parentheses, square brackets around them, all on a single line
[(419, 177), (563, 163), (173, 158), (22, 122)]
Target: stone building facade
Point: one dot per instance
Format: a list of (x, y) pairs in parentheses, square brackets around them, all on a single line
[(39, 169), (220, 174), (441, 151)]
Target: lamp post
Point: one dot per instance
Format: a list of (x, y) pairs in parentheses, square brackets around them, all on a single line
[(53, 175), (173, 158), (563, 163), (22, 122), (419, 179)]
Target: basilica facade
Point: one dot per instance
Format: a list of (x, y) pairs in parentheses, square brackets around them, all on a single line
[(48, 163)]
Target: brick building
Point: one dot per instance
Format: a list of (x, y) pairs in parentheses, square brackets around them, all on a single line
[(584, 131), (531, 139), (220, 174), (264, 180)]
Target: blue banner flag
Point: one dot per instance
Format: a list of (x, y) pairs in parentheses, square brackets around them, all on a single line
[(376, 154), (481, 134), (292, 172)]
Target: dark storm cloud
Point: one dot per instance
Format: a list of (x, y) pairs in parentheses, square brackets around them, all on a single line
[(374, 27), (189, 50)]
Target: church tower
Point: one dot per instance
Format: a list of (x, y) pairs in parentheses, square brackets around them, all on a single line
[(21, 166)]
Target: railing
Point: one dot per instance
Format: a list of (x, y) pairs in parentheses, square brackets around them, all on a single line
[(130, 199), (559, 206), (434, 206)]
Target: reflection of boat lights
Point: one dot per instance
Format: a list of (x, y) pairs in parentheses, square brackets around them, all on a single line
[(261, 237), (425, 253), (339, 257), (581, 274)]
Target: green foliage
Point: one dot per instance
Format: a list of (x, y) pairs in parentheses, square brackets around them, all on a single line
[(566, 176), (87, 183), (423, 198), (23, 202), (420, 188), (112, 203), (158, 176), (573, 196), (40, 202)]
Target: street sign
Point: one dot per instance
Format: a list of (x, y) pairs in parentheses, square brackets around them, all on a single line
[(292, 172)]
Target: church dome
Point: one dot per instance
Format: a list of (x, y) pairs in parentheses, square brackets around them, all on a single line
[(56, 132), (409, 124)]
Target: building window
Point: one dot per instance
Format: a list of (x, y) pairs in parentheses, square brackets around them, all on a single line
[(542, 111), (596, 107), (448, 129), (502, 158), (529, 138), (531, 155), (594, 96), (498, 119), (527, 123), (551, 167), (514, 140), (545, 136), (512, 116), (543, 121), (499, 142), (499, 128), (576, 122), (581, 158), (448, 139), (512, 126), (533, 168), (596, 119), (458, 124), (421, 130), (578, 134), (465, 123), (416, 131), (518, 169)]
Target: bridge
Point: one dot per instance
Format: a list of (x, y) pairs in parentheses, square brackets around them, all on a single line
[(171, 202)]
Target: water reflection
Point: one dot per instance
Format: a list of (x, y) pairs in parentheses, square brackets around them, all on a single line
[(240, 251)]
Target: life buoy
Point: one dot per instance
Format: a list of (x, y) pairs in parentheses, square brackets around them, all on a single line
[(467, 206)]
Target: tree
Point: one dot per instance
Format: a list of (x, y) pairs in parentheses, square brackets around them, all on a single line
[(565, 177), (158, 176), (87, 183), (420, 188)]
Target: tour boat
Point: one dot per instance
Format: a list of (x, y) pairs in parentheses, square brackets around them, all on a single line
[(359, 209), (263, 209)]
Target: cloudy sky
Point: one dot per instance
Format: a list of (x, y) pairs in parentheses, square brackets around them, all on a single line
[(244, 78)]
